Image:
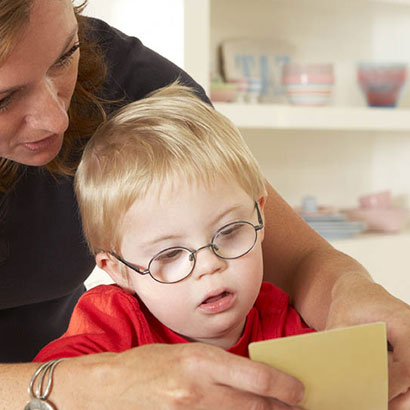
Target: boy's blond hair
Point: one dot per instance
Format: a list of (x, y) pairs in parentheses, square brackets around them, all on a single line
[(167, 138)]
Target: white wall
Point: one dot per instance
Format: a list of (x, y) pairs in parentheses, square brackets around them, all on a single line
[(159, 24)]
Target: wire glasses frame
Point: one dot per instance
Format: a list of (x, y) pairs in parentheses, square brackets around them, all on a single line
[(186, 255)]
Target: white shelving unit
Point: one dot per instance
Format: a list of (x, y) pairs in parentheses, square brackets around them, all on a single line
[(338, 152), (271, 116)]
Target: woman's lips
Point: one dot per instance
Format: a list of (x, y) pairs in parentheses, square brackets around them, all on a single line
[(41, 144), (217, 303)]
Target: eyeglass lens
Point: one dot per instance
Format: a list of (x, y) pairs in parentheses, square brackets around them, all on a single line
[(232, 241)]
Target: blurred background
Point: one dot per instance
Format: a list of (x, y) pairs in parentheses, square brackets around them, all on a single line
[(319, 89)]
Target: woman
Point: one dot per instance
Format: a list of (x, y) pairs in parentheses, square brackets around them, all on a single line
[(60, 74)]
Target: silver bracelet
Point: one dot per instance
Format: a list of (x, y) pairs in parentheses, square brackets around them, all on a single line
[(39, 394)]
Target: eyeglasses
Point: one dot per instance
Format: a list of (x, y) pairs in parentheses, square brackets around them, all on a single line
[(174, 264)]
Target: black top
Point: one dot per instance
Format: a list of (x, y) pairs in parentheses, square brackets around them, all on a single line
[(44, 259)]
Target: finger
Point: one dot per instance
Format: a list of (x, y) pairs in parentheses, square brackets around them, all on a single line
[(260, 379), (399, 378), (226, 398), (401, 402)]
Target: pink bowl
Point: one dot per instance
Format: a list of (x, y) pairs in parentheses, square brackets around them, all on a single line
[(307, 74), (242, 83), (309, 94), (377, 200), (223, 92), (390, 220), (308, 84), (382, 83)]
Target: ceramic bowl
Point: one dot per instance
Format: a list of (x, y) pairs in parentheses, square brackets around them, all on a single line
[(295, 73), (223, 92), (391, 220), (377, 200), (382, 83), (242, 84), (254, 89), (309, 94), (308, 84)]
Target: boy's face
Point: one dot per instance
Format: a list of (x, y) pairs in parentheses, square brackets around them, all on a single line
[(211, 304)]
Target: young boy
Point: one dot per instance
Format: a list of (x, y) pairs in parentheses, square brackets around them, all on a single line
[(172, 202)]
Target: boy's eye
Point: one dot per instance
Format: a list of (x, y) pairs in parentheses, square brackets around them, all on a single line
[(168, 256), (232, 229)]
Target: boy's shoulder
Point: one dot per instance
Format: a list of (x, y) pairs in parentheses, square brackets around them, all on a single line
[(105, 319), (110, 291), (278, 318), (108, 298), (107, 309), (272, 295)]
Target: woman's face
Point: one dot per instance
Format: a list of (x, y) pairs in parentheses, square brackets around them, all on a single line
[(37, 82)]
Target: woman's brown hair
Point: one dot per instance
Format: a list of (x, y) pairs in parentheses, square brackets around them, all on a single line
[(86, 111)]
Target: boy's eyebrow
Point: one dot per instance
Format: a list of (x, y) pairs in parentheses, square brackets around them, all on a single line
[(172, 236), (159, 239), (226, 212)]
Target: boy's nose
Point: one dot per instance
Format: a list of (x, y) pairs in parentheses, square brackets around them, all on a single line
[(207, 262), (209, 245)]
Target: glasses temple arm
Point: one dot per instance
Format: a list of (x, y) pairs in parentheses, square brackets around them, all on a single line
[(260, 220), (130, 265)]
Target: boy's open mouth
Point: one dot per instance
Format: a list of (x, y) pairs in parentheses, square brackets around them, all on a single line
[(215, 298), (217, 302)]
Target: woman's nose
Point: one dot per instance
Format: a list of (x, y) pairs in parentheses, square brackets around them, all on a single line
[(207, 262), (47, 111)]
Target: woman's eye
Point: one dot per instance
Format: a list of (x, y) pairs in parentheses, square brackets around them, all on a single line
[(4, 102), (65, 59)]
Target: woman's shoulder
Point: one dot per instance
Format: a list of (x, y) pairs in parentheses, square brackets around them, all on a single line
[(104, 34), (133, 70)]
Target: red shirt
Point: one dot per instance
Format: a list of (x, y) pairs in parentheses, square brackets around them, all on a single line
[(107, 319)]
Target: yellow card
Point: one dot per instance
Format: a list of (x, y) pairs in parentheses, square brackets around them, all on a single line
[(342, 369)]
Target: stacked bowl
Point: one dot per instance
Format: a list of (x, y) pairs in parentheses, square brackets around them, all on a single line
[(382, 82), (223, 92), (308, 84), (378, 213)]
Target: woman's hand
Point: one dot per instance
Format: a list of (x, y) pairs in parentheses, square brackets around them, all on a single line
[(186, 376), (357, 300)]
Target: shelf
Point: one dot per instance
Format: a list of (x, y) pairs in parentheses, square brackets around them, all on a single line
[(400, 2), (371, 239), (271, 116)]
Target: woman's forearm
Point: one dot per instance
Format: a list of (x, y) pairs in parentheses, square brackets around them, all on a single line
[(69, 378), (14, 380), (302, 263), (320, 279)]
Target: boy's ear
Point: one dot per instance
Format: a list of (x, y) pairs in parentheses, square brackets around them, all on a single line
[(261, 203), (115, 269)]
